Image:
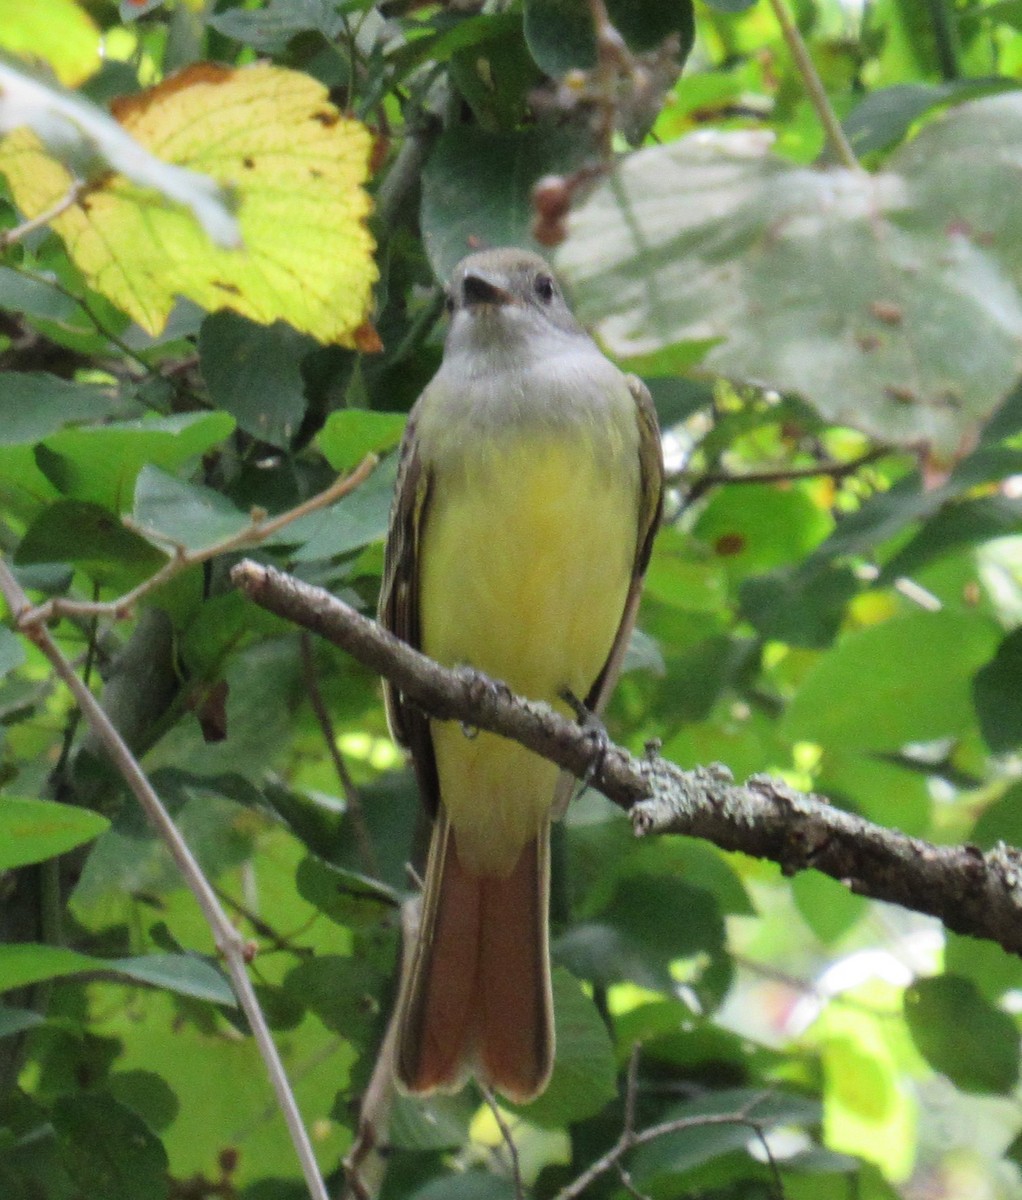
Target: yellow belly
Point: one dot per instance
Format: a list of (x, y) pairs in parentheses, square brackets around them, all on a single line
[(526, 560)]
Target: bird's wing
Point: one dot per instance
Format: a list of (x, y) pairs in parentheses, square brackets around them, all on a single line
[(651, 504), (399, 606)]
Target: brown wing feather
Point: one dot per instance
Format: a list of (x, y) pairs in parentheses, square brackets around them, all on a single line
[(399, 607), (651, 507)]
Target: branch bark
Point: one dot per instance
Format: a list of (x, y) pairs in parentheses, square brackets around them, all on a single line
[(971, 892)]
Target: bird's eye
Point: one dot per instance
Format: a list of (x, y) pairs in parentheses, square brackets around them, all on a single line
[(544, 286)]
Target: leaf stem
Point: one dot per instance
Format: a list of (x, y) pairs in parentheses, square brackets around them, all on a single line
[(818, 97)]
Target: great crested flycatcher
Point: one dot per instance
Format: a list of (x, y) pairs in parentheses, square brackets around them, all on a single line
[(528, 494)]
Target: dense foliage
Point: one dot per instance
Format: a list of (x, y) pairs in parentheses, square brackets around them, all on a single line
[(836, 596)]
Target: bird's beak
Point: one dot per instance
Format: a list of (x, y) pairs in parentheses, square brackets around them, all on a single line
[(477, 289)]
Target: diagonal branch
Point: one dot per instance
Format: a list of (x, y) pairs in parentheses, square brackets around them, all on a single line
[(228, 940), (258, 530), (970, 891)]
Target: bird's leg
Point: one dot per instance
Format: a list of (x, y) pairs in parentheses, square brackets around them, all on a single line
[(595, 730)]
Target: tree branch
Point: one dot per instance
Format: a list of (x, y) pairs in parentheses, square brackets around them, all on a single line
[(969, 891), (228, 940), (259, 528)]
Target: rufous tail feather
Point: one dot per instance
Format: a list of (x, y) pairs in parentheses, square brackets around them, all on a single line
[(477, 996)]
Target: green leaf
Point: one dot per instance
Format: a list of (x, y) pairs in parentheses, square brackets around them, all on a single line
[(185, 974), (270, 29), (431, 1122), (34, 405), (342, 992), (889, 302), (906, 680), (760, 529), (17, 1020), (584, 1079), (687, 922), (963, 1035), (101, 463), (965, 523), (470, 1185), (351, 433), (254, 373), (193, 515), (23, 963), (108, 1150), (1001, 821), (92, 537), (344, 896), (146, 1094), (679, 1152), (34, 830), (476, 188), (997, 691), (560, 32), (990, 967), (12, 651), (560, 35), (884, 117), (360, 518), (829, 909), (804, 606)]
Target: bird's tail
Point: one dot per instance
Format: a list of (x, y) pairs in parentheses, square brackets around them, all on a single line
[(477, 998)]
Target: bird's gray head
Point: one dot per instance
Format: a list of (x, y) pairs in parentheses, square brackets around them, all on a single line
[(507, 295)]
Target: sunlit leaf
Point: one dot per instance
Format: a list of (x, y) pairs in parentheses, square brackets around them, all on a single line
[(868, 1105), (82, 137), (58, 32), (296, 168), (902, 681), (350, 434)]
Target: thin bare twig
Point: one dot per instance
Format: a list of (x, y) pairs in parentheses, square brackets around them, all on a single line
[(74, 194), (508, 1138), (630, 1140), (968, 890), (831, 468), (352, 797), (258, 530), (229, 942), (818, 97), (612, 57)]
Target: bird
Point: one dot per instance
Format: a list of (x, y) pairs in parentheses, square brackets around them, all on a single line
[(528, 494)]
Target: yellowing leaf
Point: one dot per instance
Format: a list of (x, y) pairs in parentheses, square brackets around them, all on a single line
[(297, 168), (90, 143), (58, 32)]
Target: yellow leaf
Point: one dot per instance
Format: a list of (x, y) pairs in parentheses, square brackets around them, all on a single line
[(297, 168), (57, 32)]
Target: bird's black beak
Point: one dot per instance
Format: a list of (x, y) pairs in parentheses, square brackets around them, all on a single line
[(477, 289)]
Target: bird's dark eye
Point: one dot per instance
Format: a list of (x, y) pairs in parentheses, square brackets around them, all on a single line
[(544, 286)]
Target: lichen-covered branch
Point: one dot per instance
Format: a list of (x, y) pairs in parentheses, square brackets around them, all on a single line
[(971, 892)]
